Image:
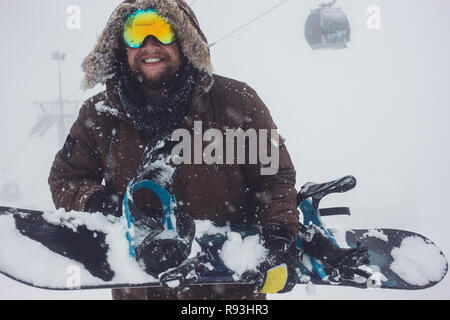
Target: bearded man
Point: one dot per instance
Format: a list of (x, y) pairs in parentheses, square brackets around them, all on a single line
[(155, 62)]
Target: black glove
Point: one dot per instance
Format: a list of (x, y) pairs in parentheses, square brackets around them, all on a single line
[(276, 273), (317, 245), (159, 254), (280, 242), (106, 202)]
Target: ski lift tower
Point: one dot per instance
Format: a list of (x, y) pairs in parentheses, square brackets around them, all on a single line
[(60, 112), (59, 57)]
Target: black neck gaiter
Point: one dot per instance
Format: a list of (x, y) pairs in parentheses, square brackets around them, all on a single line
[(157, 114)]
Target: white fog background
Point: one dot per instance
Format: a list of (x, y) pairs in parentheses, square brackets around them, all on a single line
[(379, 110)]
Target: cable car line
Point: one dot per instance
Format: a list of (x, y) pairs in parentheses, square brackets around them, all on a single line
[(248, 23), (328, 4)]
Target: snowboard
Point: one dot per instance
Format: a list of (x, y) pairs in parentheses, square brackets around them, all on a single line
[(76, 250)]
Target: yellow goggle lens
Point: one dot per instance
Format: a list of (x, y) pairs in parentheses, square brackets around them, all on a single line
[(141, 24)]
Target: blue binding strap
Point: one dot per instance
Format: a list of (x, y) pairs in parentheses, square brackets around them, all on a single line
[(168, 203), (310, 215)]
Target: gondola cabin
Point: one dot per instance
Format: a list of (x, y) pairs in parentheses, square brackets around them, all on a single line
[(327, 28)]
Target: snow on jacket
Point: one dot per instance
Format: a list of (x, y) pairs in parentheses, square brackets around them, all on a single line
[(104, 150)]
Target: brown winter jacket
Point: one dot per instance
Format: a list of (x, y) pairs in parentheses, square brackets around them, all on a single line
[(104, 151)]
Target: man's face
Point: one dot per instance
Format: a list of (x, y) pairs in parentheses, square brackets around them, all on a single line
[(155, 63)]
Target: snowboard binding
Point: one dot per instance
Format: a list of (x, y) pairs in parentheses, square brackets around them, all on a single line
[(158, 242), (187, 273), (321, 254)]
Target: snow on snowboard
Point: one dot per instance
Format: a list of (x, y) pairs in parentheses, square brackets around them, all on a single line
[(76, 250)]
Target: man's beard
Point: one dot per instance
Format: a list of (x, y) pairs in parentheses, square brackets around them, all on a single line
[(163, 82)]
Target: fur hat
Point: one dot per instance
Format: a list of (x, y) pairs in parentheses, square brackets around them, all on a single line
[(99, 65)]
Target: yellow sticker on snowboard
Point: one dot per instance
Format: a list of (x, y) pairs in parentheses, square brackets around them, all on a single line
[(275, 280)]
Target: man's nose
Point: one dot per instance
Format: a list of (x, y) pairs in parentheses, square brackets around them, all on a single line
[(151, 42)]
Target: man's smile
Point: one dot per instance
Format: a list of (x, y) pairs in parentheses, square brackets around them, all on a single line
[(152, 60)]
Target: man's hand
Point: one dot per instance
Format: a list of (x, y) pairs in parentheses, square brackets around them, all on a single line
[(276, 273), (106, 202)]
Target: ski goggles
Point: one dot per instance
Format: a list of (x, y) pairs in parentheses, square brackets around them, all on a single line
[(143, 23)]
